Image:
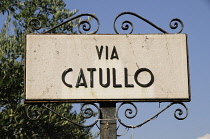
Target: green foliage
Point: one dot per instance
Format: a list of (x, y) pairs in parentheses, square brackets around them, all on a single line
[(49, 12), (9, 6), (14, 121), (11, 66)]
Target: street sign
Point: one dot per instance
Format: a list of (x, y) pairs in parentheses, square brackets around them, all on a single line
[(93, 68)]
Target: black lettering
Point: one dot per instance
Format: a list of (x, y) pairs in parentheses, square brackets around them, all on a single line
[(99, 52), (126, 78), (80, 78), (114, 79), (137, 74), (114, 54), (64, 75), (107, 52), (101, 78), (91, 76)]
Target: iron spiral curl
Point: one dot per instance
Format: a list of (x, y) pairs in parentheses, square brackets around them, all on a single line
[(179, 112), (34, 24), (129, 113), (126, 24), (174, 24), (86, 26), (88, 112), (33, 112)]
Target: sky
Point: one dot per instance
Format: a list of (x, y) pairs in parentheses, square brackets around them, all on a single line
[(195, 14)]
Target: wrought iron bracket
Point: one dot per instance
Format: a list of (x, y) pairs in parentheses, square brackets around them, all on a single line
[(130, 114), (174, 23), (35, 24), (34, 113)]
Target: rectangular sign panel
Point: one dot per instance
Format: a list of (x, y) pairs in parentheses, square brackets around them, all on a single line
[(93, 68)]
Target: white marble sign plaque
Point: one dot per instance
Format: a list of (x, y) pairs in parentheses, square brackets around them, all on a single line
[(82, 68)]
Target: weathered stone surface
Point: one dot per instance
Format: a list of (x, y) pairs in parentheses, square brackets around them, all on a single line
[(164, 55)]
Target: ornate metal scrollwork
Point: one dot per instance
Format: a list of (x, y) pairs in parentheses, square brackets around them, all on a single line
[(180, 112), (34, 24), (83, 26), (87, 113), (34, 112), (175, 23), (86, 26), (127, 24), (133, 113)]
